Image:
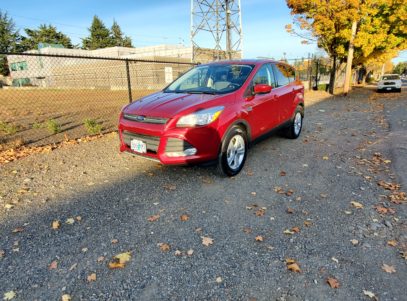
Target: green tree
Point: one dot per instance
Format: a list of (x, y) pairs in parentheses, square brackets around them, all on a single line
[(400, 68), (9, 40), (118, 36), (45, 34), (100, 36)]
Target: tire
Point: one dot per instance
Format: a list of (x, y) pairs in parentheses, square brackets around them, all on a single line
[(294, 129), (399, 90), (233, 152)]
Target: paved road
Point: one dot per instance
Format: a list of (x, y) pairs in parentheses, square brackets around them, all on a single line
[(304, 186)]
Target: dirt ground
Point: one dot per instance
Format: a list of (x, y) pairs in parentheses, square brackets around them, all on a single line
[(28, 110), (322, 217)]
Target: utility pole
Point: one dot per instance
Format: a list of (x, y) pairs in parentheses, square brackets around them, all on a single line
[(348, 72), (228, 33)]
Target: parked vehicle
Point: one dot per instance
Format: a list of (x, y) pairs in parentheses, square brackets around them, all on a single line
[(389, 82), (213, 112)]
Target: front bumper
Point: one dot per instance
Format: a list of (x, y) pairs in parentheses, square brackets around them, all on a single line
[(166, 145)]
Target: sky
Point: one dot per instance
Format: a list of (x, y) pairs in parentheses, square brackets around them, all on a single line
[(165, 22)]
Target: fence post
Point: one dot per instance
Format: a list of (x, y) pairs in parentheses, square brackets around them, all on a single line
[(128, 81), (309, 72)]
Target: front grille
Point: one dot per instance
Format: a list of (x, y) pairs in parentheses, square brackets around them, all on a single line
[(145, 119), (389, 83), (176, 145), (152, 142)]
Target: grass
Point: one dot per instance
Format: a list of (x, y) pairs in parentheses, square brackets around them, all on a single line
[(37, 125), (92, 126), (53, 126), (8, 128)]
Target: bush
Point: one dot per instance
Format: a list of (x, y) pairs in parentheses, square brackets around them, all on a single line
[(8, 128), (53, 126), (37, 125), (92, 126)]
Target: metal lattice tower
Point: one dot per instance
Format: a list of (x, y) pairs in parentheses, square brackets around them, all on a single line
[(216, 29)]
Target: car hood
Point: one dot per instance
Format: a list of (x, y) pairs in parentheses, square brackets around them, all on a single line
[(167, 105)]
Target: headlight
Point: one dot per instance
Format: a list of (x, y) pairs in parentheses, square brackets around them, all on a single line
[(202, 117)]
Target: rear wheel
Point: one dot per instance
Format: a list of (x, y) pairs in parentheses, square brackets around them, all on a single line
[(233, 152), (295, 127)]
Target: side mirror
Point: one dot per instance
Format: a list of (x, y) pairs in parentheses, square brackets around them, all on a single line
[(262, 89)]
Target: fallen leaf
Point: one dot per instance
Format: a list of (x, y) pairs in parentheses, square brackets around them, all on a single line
[(56, 224), (66, 297), (120, 260), (333, 282), (259, 238), (325, 158), (190, 252), (153, 218), (53, 265), (219, 280), (70, 221), (388, 186), (177, 253), (292, 265), (323, 195), (388, 268), (207, 241), (307, 223), (114, 241), (295, 229), (288, 232), (290, 210), (84, 250), (392, 243), (283, 173), (354, 242), (8, 206), (260, 212), (100, 258), (357, 205), (184, 217), (2, 253), (18, 230), (78, 218), (334, 259), (9, 295), (164, 247), (253, 193), (289, 192), (92, 277), (369, 294)]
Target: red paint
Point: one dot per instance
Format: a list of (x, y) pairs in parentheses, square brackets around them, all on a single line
[(260, 111)]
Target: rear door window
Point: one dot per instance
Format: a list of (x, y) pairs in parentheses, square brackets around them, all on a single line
[(282, 75)]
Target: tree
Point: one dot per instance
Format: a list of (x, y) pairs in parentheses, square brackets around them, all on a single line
[(45, 34), (100, 36), (400, 68), (381, 28), (118, 38), (9, 40), (329, 21)]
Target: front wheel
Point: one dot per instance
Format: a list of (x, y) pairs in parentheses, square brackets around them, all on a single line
[(233, 152), (295, 127)]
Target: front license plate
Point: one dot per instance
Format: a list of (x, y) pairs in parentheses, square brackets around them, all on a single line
[(138, 146), (388, 88)]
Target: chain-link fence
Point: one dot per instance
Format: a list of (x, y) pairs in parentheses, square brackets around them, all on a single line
[(49, 98)]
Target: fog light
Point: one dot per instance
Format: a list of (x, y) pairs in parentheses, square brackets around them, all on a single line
[(188, 152)]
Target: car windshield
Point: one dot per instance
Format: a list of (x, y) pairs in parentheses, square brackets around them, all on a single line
[(390, 77), (211, 79)]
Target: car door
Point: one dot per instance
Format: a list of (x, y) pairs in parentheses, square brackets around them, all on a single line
[(261, 107), (284, 91)]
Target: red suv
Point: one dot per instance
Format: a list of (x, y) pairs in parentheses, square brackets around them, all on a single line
[(213, 112)]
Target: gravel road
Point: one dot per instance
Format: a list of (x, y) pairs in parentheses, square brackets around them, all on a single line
[(291, 201)]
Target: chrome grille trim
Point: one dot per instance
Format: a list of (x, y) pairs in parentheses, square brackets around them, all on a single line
[(145, 119)]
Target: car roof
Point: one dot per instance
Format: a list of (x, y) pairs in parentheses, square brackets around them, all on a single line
[(243, 62)]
